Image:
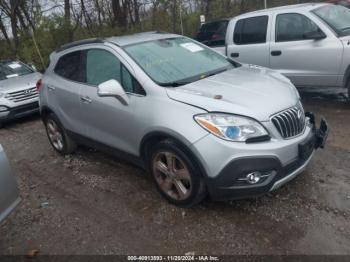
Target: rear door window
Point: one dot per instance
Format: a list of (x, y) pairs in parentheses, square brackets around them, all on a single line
[(251, 30), (69, 67)]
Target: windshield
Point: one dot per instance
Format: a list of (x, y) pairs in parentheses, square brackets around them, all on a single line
[(13, 69), (337, 17), (177, 61)]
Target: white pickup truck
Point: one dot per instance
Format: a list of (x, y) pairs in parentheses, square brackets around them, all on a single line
[(308, 43)]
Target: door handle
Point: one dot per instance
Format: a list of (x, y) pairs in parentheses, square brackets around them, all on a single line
[(276, 53), (51, 87), (86, 99), (235, 55)]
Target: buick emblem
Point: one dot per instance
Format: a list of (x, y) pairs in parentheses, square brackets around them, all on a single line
[(28, 91)]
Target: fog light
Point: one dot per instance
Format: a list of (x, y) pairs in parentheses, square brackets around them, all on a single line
[(3, 108), (253, 178), (256, 177)]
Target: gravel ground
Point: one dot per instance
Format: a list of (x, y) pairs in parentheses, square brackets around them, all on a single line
[(91, 203)]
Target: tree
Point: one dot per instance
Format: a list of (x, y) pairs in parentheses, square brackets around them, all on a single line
[(67, 20)]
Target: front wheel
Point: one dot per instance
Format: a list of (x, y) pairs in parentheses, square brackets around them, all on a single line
[(176, 175)]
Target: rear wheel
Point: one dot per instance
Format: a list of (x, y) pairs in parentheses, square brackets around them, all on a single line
[(175, 175), (58, 137)]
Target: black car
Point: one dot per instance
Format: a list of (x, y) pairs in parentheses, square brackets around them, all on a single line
[(213, 33)]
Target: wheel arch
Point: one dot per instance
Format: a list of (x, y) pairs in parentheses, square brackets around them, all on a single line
[(45, 111), (346, 77), (156, 136)]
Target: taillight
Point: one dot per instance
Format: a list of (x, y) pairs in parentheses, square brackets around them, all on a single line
[(38, 84)]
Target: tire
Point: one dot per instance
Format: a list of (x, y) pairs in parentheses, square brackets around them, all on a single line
[(58, 136), (175, 175)]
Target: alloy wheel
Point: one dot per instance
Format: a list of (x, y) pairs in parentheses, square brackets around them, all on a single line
[(172, 175), (55, 135)]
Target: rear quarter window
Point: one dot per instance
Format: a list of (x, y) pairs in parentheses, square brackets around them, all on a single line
[(69, 67), (251, 30)]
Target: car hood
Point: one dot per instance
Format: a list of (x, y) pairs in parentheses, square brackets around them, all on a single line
[(249, 90), (19, 82)]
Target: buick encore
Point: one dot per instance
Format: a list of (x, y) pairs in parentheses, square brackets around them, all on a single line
[(198, 121)]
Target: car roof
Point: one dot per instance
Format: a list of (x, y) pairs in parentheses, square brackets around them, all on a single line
[(120, 40), (140, 37), (290, 8)]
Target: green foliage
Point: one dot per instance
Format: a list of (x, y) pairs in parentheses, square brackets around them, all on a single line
[(52, 31)]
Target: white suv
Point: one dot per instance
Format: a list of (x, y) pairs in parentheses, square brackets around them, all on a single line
[(18, 94)]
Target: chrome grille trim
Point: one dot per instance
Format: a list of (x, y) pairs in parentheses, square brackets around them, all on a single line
[(291, 122), (22, 95)]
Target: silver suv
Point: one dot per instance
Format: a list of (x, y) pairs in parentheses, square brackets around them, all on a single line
[(18, 93), (199, 122)]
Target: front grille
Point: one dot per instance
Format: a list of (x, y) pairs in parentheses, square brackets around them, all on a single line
[(291, 122), (22, 95)]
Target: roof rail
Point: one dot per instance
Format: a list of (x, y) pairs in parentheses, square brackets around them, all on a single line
[(152, 32), (80, 42)]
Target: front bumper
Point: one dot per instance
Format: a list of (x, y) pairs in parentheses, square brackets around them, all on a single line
[(19, 112), (231, 182)]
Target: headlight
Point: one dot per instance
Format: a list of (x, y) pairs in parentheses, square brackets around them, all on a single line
[(231, 127)]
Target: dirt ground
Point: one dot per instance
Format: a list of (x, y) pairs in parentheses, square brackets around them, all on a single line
[(91, 203)]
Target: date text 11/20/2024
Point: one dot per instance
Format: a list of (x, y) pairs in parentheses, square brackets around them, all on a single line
[(173, 258)]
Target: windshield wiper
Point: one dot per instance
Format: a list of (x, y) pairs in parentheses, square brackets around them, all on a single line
[(215, 73), (345, 29), (176, 83), (193, 79)]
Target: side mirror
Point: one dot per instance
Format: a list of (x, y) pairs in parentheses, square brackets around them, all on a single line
[(112, 88), (315, 35)]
